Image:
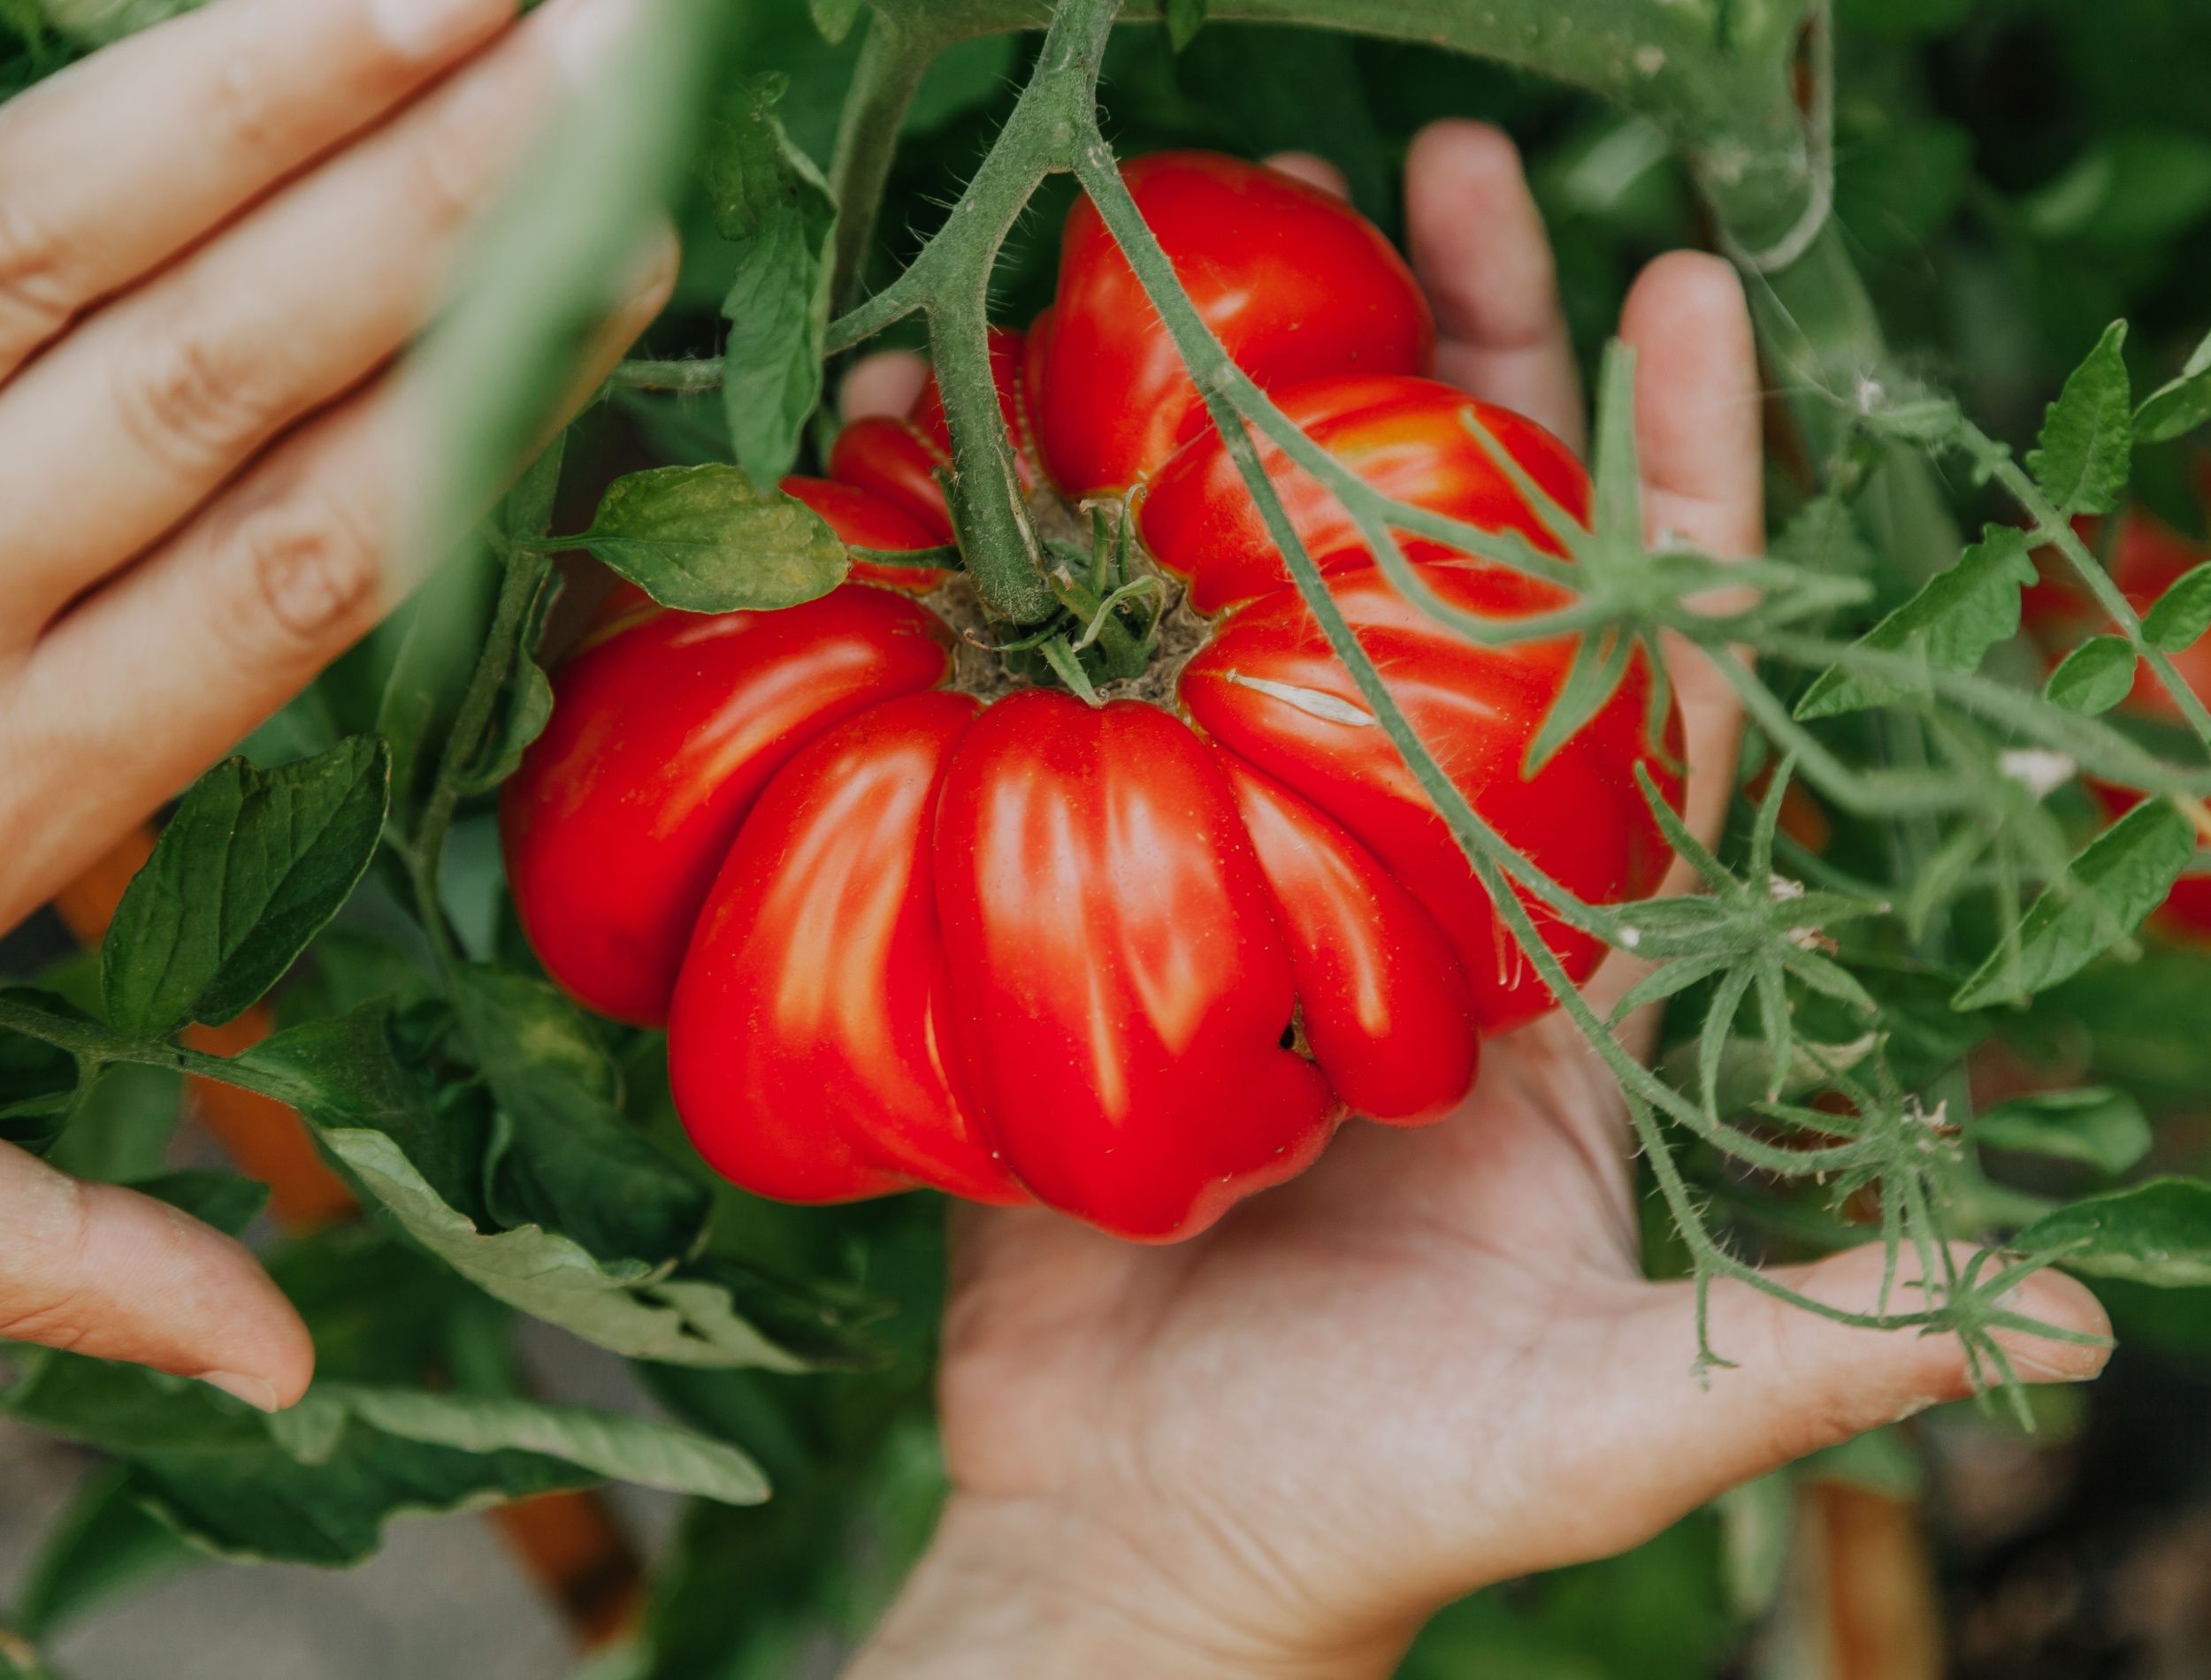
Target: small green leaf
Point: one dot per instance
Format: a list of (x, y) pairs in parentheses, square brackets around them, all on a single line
[(773, 205), (2087, 443), (2096, 1126), (2093, 678), (244, 876), (707, 539), (2158, 1232), (2123, 874), (835, 18), (1184, 19), (2183, 613), (1952, 623), (2180, 405)]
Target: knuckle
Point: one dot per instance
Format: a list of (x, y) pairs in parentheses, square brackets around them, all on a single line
[(446, 169), (34, 288), (305, 571), (190, 395), (251, 110)]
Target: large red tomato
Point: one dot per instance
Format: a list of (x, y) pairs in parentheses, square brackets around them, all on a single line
[(1133, 962)]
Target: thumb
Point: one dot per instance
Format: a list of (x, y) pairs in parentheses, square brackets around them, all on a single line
[(1801, 1382), (107, 1272)]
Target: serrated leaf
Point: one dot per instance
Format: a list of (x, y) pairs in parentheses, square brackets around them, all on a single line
[(2096, 1126), (2183, 613), (371, 1112), (243, 876), (1951, 623), (2093, 678), (835, 18), (1824, 535), (619, 1448), (2158, 1232), (316, 1483), (1184, 19), (2087, 446), (707, 539), (2180, 405), (565, 1158), (2123, 875), (773, 205)]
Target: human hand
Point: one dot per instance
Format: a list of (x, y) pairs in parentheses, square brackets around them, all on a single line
[(1430, 1363), (214, 237)]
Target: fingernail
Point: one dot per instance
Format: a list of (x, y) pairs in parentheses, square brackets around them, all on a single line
[(586, 33), (433, 29), (261, 1395), (653, 271)]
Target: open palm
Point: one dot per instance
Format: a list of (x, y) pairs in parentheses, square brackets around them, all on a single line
[(1433, 1361)]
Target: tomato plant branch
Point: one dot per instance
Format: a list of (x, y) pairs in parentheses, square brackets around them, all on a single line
[(687, 375), (2052, 526), (893, 55)]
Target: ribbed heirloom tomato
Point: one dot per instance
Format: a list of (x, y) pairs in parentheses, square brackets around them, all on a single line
[(1131, 962)]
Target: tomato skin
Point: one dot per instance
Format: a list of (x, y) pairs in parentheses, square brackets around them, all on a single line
[(1118, 985), (1581, 817), (805, 1043), (866, 520), (1295, 284), (1384, 1002), (663, 734), (1406, 437), (888, 457)]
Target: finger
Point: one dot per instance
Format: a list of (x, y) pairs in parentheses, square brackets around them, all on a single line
[(160, 672), (1800, 1382), (107, 1272), (113, 166), (1697, 432), (888, 383), (132, 421), (1480, 248), (1314, 171)]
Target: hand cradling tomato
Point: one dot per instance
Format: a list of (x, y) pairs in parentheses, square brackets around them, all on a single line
[(1130, 962)]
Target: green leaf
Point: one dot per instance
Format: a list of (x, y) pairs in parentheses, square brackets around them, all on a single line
[(773, 205), (2180, 405), (370, 1110), (568, 1160), (1951, 623), (526, 702), (104, 1544), (2123, 874), (2093, 678), (622, 1449), (316, 1483), (2183, 613), (707, 539), (2096, 1126), (249, 869), (835, 18), (42, 1087), (2087, 445), (1184, 19), (2158, 1232)]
